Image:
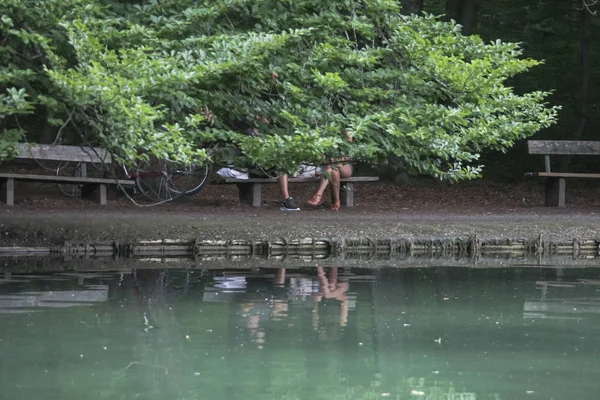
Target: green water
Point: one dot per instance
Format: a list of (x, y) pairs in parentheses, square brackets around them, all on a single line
[(388, 334)]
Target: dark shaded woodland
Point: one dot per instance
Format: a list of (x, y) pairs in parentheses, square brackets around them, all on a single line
[(562, 33)]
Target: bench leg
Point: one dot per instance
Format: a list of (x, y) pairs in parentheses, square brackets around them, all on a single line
[(250, 193), (347, 194), (555, 192), (7, 191), (95, 192)]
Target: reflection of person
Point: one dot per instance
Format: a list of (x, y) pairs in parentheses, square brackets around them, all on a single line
[(331, 288), (259, 309), (257, 334), (280, 306), (335, 171)]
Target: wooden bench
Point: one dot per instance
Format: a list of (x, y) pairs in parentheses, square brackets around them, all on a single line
[(250, 190), (91, 188), (555, 187)]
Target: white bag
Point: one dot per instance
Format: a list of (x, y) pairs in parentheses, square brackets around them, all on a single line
[(307, 172), (232, 173)]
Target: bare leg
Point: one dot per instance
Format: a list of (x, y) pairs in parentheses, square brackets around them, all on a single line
[(283, 186), (333, 274), (317, 198), (280, 277), (344, 313), (322, 185), (341, 171), (345, 170), (335, 187), (323, 281), (315, 312)]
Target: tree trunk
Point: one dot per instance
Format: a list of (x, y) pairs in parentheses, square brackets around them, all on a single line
[(464, 12), (411, 6), (45, 133), (584, 82)]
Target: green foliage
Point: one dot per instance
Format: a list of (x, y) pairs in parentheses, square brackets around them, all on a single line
[(171, 78)]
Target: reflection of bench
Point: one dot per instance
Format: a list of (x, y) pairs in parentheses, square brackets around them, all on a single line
[(251, 189), (92, 188), (562, 306), (556, 181), (24, 301)]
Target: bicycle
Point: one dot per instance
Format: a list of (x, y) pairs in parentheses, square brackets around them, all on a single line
[(155, 179)]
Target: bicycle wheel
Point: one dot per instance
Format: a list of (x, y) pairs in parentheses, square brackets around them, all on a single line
[(190, 179), (152, 179), (121, 172), (76, 169), (68, 168)]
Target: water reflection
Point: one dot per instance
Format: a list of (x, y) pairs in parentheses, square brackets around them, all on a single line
[(55, 295), (257, 303), (324, 333), (561, 299)]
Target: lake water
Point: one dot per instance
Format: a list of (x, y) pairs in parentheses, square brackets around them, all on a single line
[(330, 334)]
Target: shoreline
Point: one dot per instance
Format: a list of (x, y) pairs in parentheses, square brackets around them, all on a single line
[(43, 217), (39, 228)]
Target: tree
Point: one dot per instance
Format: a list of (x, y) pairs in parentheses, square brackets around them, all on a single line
[(171, 78), (582, 12), (412, 6), (463, 12)]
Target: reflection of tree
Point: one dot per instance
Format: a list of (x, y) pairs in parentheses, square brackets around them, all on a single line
[(149, 322), (158, 359)]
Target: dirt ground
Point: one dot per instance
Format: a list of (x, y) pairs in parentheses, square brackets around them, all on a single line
[(42, 216)]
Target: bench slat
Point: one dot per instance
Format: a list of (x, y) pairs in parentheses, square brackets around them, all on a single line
[(64, 179), (564, 147), (563, 175), (64, 153), (295, 180)]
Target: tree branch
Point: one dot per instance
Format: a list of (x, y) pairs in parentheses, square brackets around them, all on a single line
[(59, 134), (587, 5)]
